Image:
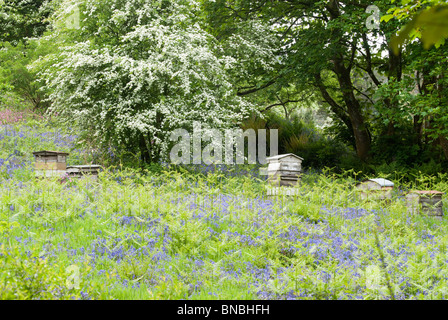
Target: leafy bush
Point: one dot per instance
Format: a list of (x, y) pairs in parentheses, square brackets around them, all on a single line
[(17, 79), (306, 141)]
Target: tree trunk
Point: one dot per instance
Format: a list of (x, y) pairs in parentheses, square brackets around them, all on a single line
[(394, 66), (362, 136), (144, 152), (418, 126), (444, 144), (154, 154), (394, 74), (334, 106)]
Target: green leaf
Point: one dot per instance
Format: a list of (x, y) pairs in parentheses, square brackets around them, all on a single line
[(433, 25), (387, 17), (402, 37)]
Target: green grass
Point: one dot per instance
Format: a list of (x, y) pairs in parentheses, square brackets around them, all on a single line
[(178, 235), (173, 241)]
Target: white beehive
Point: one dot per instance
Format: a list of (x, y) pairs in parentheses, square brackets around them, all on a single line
[(375, 189), (284, 169)]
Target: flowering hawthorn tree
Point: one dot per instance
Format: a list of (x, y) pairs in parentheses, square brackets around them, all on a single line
[(137, 69)]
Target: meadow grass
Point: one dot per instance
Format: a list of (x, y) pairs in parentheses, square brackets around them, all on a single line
[(178, 235)]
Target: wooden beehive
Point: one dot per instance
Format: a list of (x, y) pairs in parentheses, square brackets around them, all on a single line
[(50, 163), (376, 189), (284, 169), (428, 202), (90, 170)]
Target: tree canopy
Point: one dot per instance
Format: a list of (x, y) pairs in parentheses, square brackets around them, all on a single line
[(138, 69), (129, 72)]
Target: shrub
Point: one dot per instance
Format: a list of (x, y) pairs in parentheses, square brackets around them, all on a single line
[(306, 141), (137, 70)]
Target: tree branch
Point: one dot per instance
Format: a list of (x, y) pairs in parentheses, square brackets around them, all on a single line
[(253, 90), (368, 57)]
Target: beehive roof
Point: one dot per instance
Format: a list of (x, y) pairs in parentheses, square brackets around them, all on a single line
[(49, 153), (382, 182), (426, 192), (281, 156)]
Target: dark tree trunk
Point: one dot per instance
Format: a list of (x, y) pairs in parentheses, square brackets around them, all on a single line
[(154, 149), (418, 126), (395, 66), (391, 128), (144, 152), (362, 136), (394, 74), (340, 112), (444, 144), (360, 132)]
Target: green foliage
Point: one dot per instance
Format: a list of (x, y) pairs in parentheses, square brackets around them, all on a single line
[(178, 236), (304, 139), (21, 19), (136, 71), (16, 76), (169, 234), (28, 277), (430, 24), (399, 148)]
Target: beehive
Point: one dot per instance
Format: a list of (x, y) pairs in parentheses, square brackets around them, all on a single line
[(90, 170), (380, 189), (284, 169), (50, 163), (428, 202)]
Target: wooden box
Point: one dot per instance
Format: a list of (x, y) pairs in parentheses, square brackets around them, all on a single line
[(50, 163), (428, 202), (375, 189), (89, 170), (284, 170)]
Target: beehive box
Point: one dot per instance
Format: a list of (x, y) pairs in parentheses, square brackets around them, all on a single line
[(90, 170), (284, 169), (50, 163), (428, 202), (375, 189)]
